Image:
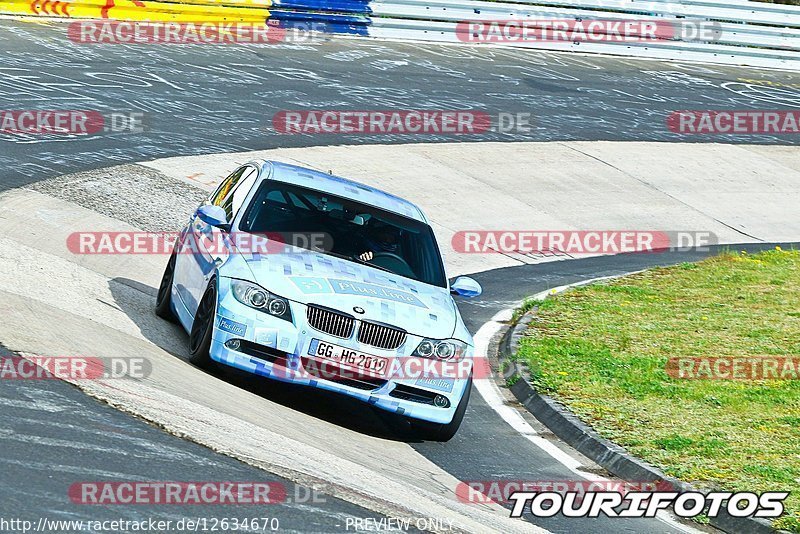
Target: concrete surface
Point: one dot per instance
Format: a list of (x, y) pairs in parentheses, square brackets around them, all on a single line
[(54, 436), (741, 193), (198, 102), (102, 305)]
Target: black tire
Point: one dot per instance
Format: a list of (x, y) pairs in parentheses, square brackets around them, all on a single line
[(203, 327), (445, 432), (164, 297)]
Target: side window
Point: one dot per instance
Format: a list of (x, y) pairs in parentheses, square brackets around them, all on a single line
[(226, 186), (233, 202)]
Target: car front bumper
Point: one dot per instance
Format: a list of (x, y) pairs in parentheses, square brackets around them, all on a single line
[(279, 350)]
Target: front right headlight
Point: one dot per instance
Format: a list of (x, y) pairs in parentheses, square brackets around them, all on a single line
[(441, 349), (258, 298)]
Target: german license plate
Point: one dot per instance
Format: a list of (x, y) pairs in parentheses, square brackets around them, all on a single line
[(350, 358)]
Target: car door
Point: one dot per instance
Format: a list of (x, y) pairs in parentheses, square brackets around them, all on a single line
[(204, 245)]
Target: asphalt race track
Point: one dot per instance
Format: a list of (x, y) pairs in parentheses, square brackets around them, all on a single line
[(200, 100), (52, 436), (205, 100)]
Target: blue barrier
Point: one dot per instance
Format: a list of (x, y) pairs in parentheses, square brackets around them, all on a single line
[(322, 22), (337, 6)]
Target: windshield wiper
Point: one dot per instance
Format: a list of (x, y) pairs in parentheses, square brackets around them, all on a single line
[(359, 260)]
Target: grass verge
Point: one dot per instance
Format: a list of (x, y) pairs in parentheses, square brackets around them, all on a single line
[(602, 350)]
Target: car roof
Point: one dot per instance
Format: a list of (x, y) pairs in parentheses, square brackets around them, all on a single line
[(336, 185)]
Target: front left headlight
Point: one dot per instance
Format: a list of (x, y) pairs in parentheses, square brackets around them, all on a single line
[(257, 297), (451, 350)]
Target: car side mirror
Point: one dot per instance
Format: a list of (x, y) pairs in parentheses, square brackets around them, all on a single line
[(464, 286), (213, 215)]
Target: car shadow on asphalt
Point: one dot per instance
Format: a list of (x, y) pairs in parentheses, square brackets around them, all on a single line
[(331, 407)]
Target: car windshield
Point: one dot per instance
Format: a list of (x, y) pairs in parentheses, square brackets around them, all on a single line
[(354, 231)]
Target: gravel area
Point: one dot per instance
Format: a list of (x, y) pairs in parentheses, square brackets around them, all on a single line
[(137, 195)]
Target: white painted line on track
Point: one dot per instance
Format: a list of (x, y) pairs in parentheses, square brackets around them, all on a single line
[(493, 397), (491, 393)]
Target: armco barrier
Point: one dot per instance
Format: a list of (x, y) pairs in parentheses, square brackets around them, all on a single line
[(445, 32), (350, 24), (744, 32), (458, 10), (141, 10)]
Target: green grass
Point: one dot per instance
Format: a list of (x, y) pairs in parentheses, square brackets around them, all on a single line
[(602, 350)]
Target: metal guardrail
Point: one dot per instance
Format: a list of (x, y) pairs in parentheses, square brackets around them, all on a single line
[(196, 11), (460, 10), (399, 29), (739, 31), (744, 11), (744, 32)]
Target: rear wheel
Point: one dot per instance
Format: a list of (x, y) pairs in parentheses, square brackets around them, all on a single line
[(446, 431), (202, 328), (164, 297)]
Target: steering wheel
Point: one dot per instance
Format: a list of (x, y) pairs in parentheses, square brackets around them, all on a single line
[(393, 262)]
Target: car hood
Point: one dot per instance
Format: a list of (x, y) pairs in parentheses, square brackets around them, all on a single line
[(314, 278)]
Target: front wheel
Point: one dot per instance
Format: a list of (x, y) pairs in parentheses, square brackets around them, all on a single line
[(202, 328), (442, 431), (164, 298)]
